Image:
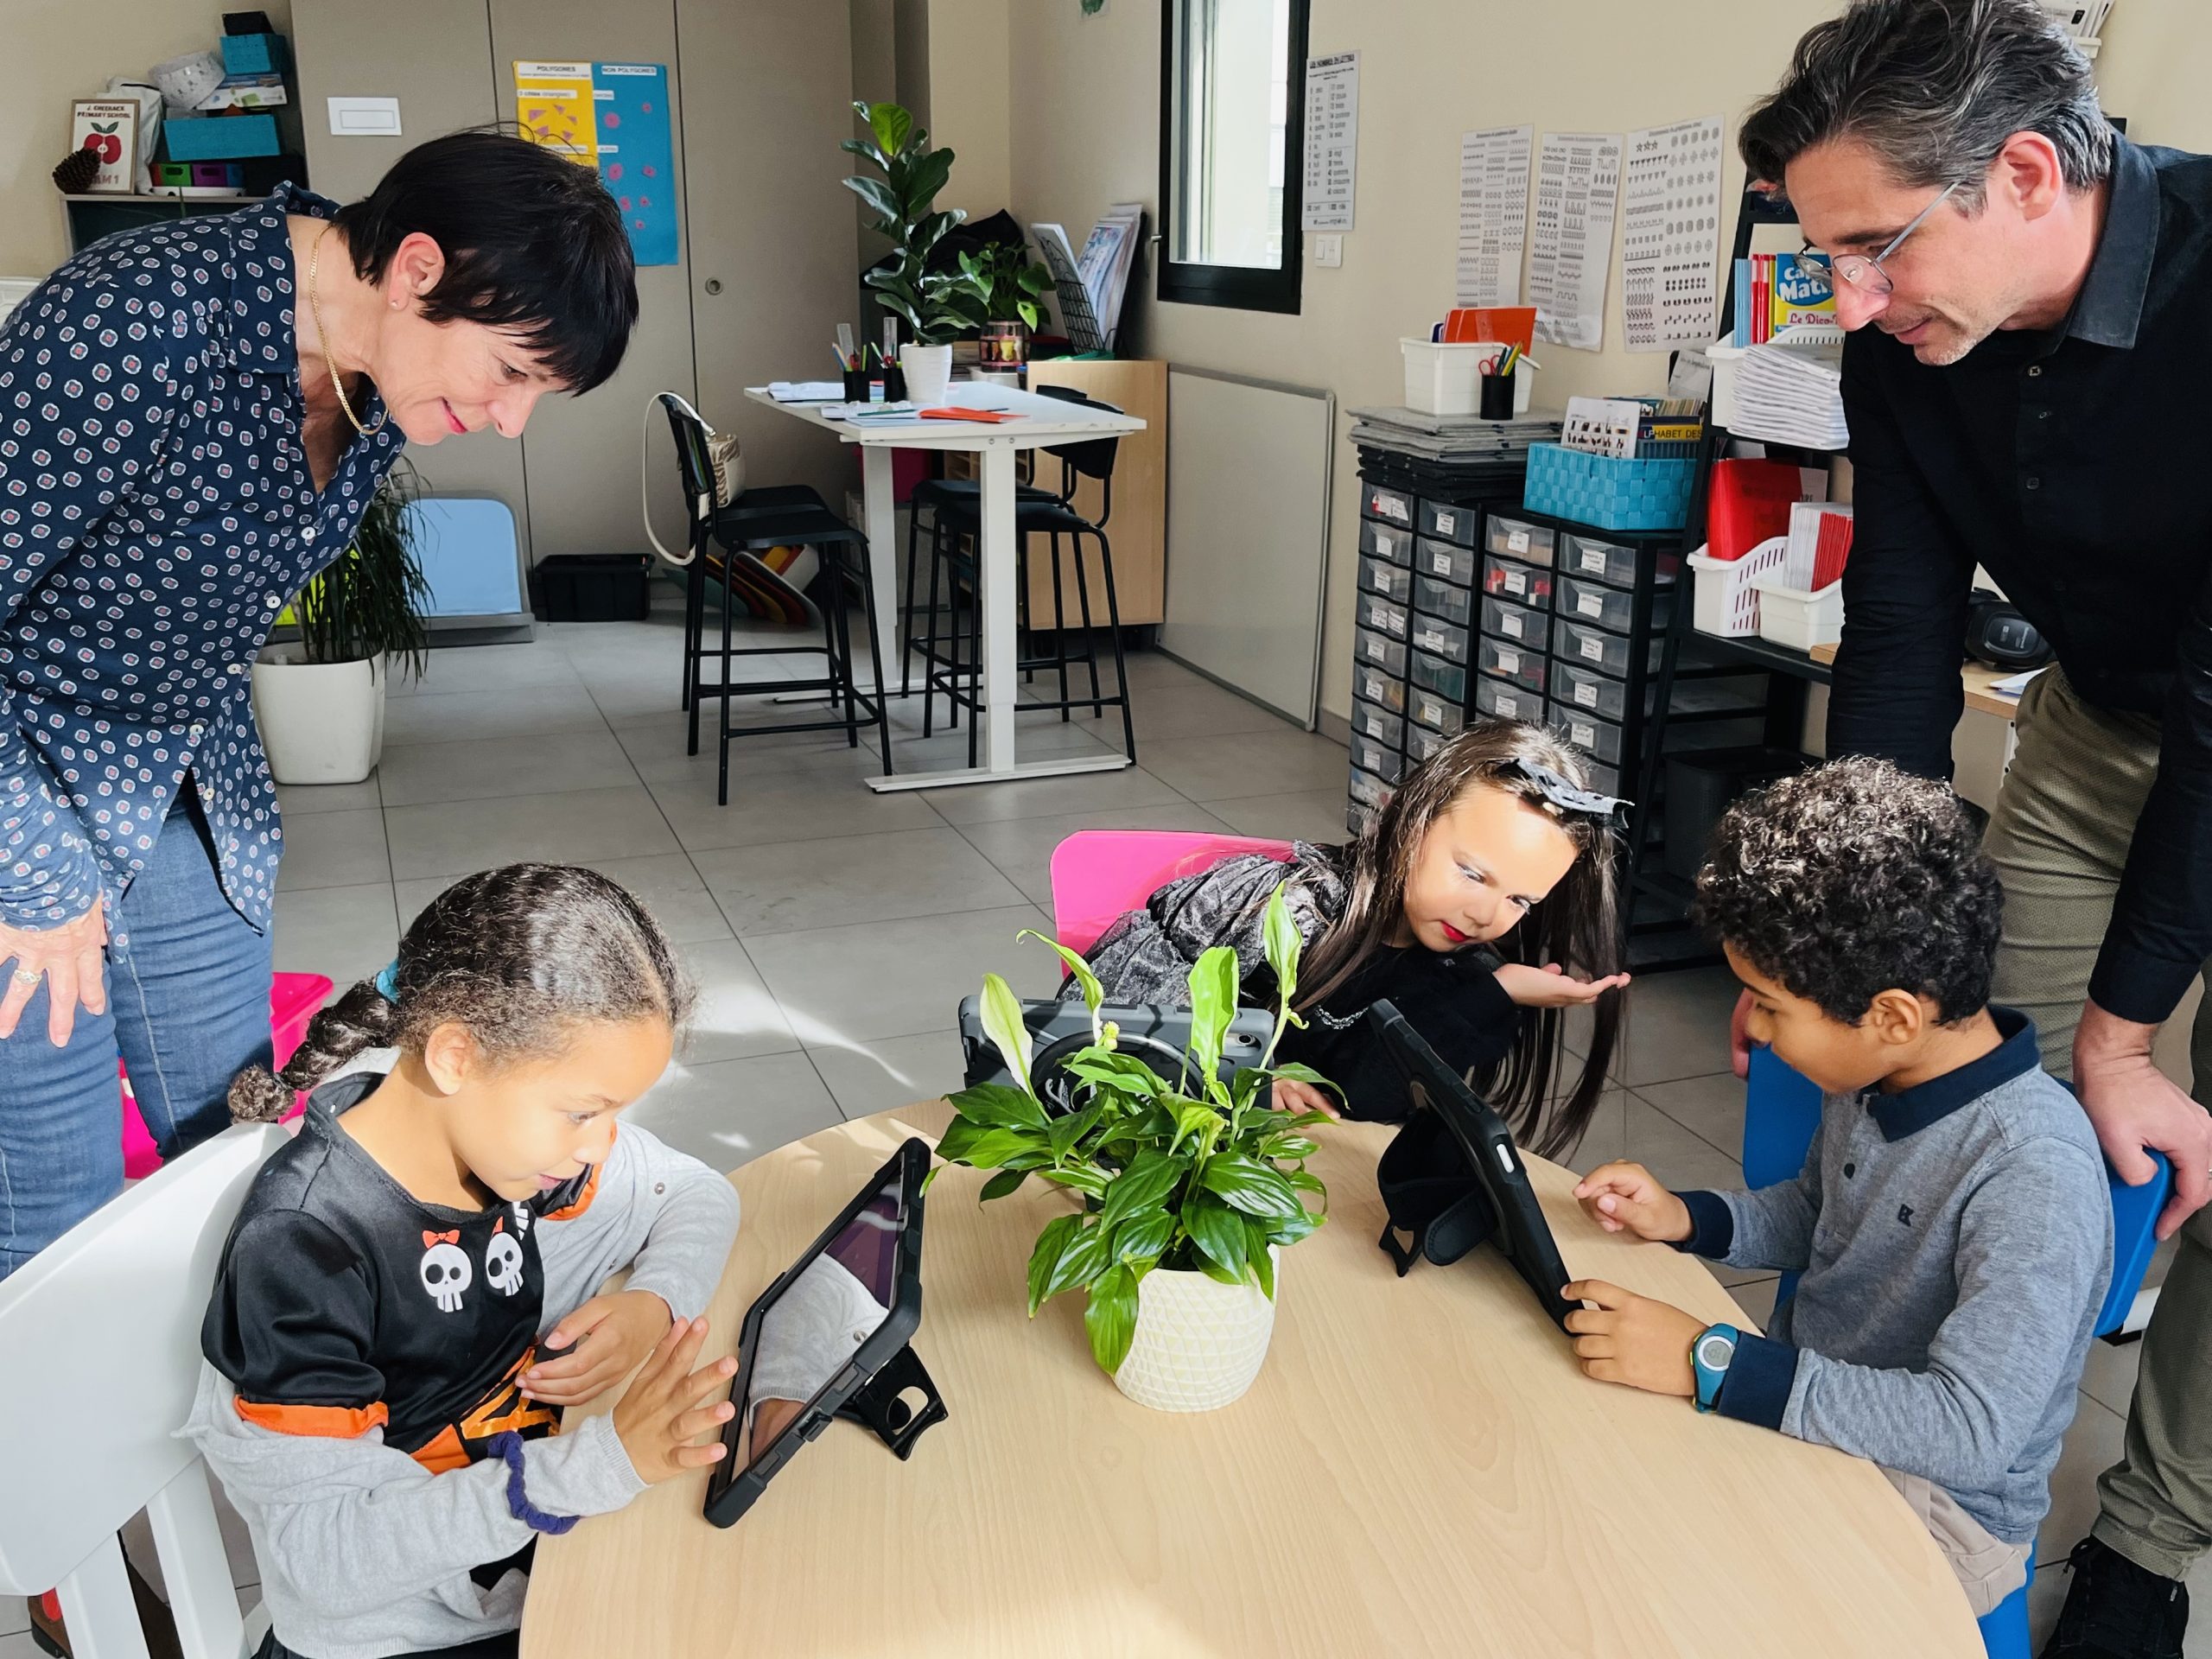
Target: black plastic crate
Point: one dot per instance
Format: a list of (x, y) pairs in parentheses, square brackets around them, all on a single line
[(594, 587)]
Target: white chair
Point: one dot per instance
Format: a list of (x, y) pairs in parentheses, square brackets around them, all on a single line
[(100, 1358)]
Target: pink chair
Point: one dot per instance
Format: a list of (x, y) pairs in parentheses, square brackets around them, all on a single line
[(1098, 876), (293, 1000)]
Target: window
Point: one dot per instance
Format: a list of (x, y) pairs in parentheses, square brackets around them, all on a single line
[(1232, 96)]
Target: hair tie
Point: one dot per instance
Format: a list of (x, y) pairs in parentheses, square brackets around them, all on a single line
[(388, 981)]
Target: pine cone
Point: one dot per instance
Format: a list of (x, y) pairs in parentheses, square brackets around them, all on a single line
[(76, 173)]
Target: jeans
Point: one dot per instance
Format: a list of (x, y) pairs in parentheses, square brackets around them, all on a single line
[(188, 1009)]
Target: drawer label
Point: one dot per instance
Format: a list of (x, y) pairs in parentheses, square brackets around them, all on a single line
[(1585, 733), (1440, 563), (1430, 640), (1510, 661), (1594, 648), (1516, 541), (1509, 626), (1508, 707), (1586, 695), (1429, 712), (1374, 649), (1590, 604), (1443, 523), (1593, 560), (1384, 544), (1515, 582)]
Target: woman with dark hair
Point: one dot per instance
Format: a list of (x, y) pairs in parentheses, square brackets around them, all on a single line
[(193, 417)]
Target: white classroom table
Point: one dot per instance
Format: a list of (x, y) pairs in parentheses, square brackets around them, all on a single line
[(1042, 420)]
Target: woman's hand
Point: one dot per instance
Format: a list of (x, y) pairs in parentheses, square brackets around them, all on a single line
[(1552, 986), (1631, 1339), (1623, 1197), (1291, 1095), (598, 1344), (67, 958), (666, 1412)]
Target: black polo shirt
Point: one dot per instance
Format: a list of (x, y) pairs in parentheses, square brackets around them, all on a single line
[(2072, 465)]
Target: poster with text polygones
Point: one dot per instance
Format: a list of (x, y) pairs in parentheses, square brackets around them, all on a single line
[(613, 116)]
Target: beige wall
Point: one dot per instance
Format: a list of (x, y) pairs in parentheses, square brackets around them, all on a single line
[(970, 98), (1084, 124), (59, 50)]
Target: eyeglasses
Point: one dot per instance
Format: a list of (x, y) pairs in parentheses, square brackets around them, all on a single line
[(1864, 273)]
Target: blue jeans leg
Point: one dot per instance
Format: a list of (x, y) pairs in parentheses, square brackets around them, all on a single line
[(188, 1005)]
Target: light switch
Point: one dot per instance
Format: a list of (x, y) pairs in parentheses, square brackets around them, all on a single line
[(1329, 250), (364, 117)]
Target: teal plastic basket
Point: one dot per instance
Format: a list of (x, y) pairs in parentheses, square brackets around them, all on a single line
[(1606, 491)]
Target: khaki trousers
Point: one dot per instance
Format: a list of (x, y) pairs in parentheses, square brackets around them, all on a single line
[(2060, 837)]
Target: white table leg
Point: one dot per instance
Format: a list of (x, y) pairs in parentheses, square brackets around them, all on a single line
[(879, 523)]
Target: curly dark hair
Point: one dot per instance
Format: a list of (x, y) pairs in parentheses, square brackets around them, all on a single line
[(1855, 879)]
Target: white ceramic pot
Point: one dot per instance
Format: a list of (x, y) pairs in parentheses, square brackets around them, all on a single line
[(1198, 1343), (929, 371), (320, 722)]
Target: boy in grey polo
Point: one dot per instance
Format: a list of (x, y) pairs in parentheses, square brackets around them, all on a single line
[(1952, 1223)]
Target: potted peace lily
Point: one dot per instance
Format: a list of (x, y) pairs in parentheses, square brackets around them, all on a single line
[(1190, 1185), (319, 701), (937, 306)]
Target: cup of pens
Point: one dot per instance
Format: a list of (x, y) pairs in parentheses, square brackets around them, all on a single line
[(1498, 382)]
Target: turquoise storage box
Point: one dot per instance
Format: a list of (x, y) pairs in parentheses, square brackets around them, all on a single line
[(254, 54), (220, 137), (1606, 491)]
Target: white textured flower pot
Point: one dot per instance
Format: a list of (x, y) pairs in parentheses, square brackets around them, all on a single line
[(1198, 1343), (320, 722), (929, 371)]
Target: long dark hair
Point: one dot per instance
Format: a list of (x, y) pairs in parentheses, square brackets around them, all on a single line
[(516, 954), (1577, 925)]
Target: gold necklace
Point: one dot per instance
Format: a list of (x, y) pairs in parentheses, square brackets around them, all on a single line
[(315, 305)]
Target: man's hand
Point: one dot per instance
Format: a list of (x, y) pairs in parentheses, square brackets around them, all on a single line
[(2133, 1105), (1552, 986), (67, 958), (1623, 1196), (598, 1344), (662, 1417), (1631, 1339), (1739, 1038)]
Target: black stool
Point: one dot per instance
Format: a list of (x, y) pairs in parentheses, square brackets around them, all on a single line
[(725, 544)]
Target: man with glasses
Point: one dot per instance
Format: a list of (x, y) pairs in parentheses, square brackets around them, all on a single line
[(2026, 292)]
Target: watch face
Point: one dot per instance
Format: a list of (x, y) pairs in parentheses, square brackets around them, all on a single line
[(1714, 1351)]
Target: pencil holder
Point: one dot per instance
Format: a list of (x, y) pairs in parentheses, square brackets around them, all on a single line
[(1496, 397), (894, 383), (856, 385)]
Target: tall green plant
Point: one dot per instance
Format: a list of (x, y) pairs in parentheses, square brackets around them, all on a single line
[(368, 602), (1009, 281), (936, 305), (1189, 1174)]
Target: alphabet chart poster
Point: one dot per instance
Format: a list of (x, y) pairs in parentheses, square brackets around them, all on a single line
[(1577, 186), (1670, 249), (612, 116)]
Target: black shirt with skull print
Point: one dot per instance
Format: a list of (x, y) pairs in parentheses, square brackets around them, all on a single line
[(344, 1304)]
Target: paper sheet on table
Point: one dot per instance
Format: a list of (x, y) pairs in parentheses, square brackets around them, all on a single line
[(1670, 240), (1493, 214), (1577, 187), (806, 391), (2013, 684)]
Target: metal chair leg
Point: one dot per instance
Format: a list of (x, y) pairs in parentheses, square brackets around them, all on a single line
[(695, 643), (1120, 663), (842, 675), (1061, 630), (882, 700), (906, 615), (928, 648), (721, 784), (976, 659), (1089, 645)]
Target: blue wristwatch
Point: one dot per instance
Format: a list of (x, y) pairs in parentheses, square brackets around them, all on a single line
[(1709, 1356)]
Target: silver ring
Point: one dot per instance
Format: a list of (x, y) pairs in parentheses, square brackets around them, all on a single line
[(28, 976)]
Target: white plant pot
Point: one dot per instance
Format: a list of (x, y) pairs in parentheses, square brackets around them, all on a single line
[(929, 371), (1198, 1343), (320, 722)]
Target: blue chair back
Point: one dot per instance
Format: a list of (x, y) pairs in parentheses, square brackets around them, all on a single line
[(1782, 1110)]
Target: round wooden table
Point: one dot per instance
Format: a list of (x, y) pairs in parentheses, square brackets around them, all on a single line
[(1420, 1469)]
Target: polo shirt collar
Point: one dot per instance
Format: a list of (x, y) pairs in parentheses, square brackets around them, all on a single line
[(2110, 305), (264, 287), (1910, 1110)]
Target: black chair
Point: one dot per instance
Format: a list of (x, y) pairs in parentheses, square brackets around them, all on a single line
[(957, 525), (725, 545)]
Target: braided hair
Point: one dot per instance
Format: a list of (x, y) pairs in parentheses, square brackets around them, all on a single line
[(516, 954)]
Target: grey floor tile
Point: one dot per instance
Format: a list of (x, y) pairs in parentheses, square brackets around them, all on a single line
[(665, 882), (1022, 848), (1606, 1139), (515, 711), (1227, 764), (1680, 1159), (843, 986), (15, 1615), (2108, 1374), (489, 668), (2093, 1442), (298, 800), (573, 826), (891, 1072), (1710, 1108), (1677, 1026), (19, 1647), (335, 849), (728, 1112), (657, 748), (814, 803), (416, 774), (1196, 708), (348, 933), (2046, 1595), (1035, 739), (736, 1017), (1086, 791), (787, 887), (1315, 815)]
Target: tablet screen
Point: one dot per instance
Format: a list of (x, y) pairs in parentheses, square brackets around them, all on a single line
[(811, 1332)]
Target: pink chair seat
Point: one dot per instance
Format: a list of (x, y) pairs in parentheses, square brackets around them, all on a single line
[(1098, 876), (293, 1000)]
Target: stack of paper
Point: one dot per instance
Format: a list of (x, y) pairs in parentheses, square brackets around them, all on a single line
[(1791, 395), (899, 414), (1819, 541), (806, 391), (1451, 437), (1091, 287)]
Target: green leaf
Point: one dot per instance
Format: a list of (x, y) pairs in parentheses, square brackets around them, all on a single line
[(1249, 1186), (1121, 1071), (1005, 1181), (1219, 1231), (1143, 1237), (993, 1105), (1213, 1004), (1111, 1318), (1263, 1265), (1291, 1228), (1052, 1244), (1034, 279), (867, 150), (1143, 1185), (881, 202), (1195, 1120), (989, 1148), (1002, 1024), (1297, 1073), (1081, 1177), (930, 1179), (1280, 936), (925, 178), (1081, 1262), (891, 123), (1066, 1131), (1031, 316), (1286, 1146)]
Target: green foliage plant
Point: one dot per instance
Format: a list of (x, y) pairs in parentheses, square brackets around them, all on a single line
[(937, 306)]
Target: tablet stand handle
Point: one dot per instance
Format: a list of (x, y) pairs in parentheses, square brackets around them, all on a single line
[(878, 1405)]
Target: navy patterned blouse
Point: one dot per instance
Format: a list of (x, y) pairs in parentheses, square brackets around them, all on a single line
[(155, 515)]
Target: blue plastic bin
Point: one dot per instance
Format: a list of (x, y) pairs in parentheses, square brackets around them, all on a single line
[(1606, 491), (254, 54), (220, 137)]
